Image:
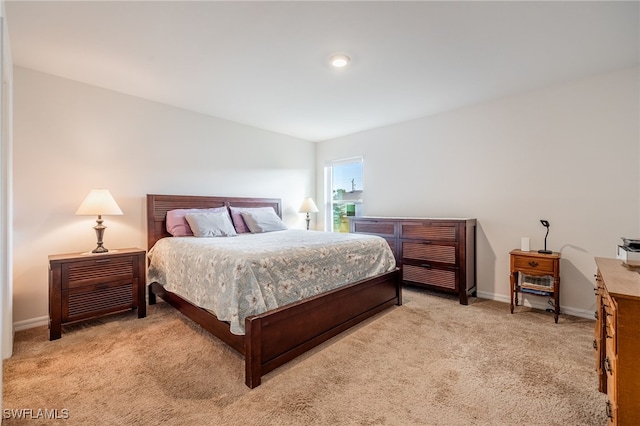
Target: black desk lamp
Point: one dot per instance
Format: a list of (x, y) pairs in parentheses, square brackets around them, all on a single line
[(545, 223)]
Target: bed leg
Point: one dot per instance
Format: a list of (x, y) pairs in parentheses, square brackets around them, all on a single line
[(152, 296), (252, 352)]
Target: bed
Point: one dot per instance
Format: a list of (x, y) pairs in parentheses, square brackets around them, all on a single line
[(274, 337)]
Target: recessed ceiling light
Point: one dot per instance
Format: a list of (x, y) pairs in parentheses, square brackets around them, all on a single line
[(339, 61)]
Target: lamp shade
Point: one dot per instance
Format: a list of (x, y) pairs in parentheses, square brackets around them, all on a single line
[(308, 206), (99, 202)]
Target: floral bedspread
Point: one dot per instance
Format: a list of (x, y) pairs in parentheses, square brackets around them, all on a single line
[(236, 277)]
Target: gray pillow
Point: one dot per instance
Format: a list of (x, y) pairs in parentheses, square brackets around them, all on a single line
[(213, 224), (263, 221)]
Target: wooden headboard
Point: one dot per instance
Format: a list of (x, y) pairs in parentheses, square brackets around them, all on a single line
[(159, 205)]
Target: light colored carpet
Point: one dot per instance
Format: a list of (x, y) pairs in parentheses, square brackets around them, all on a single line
[(431, 361)]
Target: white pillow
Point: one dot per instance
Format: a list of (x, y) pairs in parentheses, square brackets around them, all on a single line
[(238, 221), (177, 224), (263, 221), (214, 224)]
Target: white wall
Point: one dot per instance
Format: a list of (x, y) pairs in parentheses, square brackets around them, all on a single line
[(6, 144), (569, 154), (6, 191), (71, 137)]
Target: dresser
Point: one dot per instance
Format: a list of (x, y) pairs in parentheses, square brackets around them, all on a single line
[(617, 340), (86, 285), (431, 252)]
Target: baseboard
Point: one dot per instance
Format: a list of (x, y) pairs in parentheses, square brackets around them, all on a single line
[(581, 313), (30, 323)]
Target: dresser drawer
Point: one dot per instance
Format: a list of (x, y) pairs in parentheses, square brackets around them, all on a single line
[(98, 299), (599, 335), (597, 346), (610, 323), (382, 228), (96, 271), (429, 252), (611, 370), (612, 412), (429, 231), (534, 266), (429, 276)]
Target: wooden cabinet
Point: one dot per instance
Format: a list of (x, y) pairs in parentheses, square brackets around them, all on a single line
[(539, 266), (435, 253), (616, 343), (83, 286)]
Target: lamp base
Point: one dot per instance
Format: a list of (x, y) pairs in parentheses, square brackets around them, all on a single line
[(545, 252), (99, 234)]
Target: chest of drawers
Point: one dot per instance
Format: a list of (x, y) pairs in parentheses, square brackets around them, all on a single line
[(434, 253), (616, 342)]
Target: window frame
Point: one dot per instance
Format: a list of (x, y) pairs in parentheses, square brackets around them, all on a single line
[(328, 187)]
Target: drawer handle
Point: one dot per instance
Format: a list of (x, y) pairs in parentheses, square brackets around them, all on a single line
[(595, 344), (427, 242), (607, 365), (425, 265), (533, 263), (595, 314), (609, 411), (103, 261)]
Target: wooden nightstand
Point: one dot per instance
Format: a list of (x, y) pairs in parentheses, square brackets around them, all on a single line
[(85, 285), (536, 265)]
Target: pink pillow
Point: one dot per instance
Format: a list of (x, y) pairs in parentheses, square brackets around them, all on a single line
[(238, 220), (177, 222)]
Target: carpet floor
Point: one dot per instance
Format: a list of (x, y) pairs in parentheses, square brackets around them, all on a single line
[(430, 361)]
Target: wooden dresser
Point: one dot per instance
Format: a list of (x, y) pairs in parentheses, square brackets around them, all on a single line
[(617, 340), (434, 253)]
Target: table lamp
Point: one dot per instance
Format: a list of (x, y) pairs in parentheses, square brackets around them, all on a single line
[(545, 223), (99, 202), (308, 206)]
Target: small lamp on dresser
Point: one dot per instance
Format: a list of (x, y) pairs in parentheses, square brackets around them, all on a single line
[(99, 202), (308, 206)]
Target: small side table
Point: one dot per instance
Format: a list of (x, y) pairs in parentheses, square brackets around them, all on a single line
[(535, 264), (86, 285)]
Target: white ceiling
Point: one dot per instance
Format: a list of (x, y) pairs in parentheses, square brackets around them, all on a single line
[(265, 63)]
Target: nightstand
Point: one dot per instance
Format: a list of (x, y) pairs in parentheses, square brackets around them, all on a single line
[(87, 285), (543, 272)]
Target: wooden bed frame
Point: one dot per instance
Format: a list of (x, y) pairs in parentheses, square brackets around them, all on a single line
[(275, 337)]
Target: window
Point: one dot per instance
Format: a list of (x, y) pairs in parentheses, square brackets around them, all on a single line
[(344, 193)]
